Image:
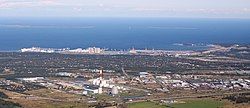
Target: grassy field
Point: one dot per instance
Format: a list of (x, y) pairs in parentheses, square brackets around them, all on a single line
[(55, 94), (145, 105), (201, 103), (197, 103), (47, 99)]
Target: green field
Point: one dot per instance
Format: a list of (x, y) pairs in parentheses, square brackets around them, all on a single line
[(145, 105), (205, 103)]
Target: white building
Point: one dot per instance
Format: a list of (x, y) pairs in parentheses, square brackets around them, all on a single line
[(92, 89), (79, 50), (37, 49), (143, 74), (94, 50), (32, 79)]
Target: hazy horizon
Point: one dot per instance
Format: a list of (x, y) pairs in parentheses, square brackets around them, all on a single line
[(128, 8)]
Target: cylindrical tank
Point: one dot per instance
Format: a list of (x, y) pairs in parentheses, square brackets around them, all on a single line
[(114, 90)]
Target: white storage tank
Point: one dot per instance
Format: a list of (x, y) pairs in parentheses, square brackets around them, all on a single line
[(114, 90)]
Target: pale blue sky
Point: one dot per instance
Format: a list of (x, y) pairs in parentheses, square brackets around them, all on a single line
[(125, 8)]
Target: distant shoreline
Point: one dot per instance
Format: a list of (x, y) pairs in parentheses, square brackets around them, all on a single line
[(174, 47)]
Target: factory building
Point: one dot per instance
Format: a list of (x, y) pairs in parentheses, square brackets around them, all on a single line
[(92, 89), (96, 87), (144, 74)]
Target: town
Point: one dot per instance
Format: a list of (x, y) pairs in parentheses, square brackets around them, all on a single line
[(93, 78)]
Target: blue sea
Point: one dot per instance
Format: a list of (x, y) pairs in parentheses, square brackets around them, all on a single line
[(121, 33)]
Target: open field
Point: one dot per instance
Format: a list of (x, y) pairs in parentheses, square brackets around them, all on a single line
[(145, 105), (198, 103), (209, 103), (194, 103), (55, 94), (45, 98)]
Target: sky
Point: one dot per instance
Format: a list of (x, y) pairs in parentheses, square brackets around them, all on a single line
[(125, 8)]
